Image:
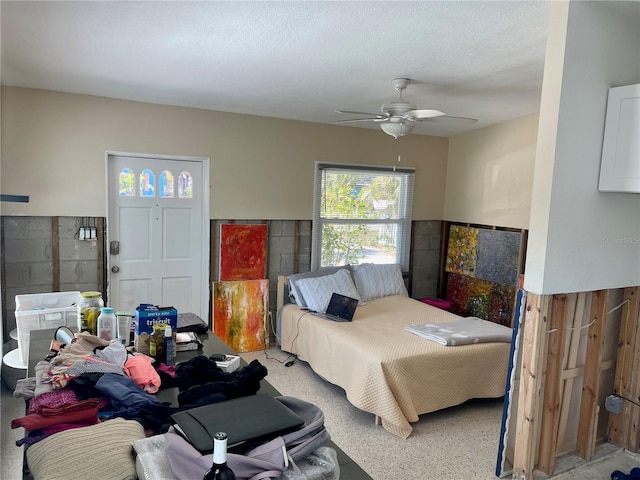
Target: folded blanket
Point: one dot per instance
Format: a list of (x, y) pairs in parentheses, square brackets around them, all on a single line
[(101, 451), (85, 412), (464, 331)]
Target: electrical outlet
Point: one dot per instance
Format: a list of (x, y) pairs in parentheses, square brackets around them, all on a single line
[(613, 404)]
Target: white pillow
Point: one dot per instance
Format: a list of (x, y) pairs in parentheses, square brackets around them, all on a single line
[(374, 281), (317, 291), (294, 293)]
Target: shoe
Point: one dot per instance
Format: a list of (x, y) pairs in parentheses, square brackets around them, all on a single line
[(618, 475)]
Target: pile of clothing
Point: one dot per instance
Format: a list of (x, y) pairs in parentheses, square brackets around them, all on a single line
[(100, 385)]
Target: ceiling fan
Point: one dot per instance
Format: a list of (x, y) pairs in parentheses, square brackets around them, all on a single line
[(399, 117)]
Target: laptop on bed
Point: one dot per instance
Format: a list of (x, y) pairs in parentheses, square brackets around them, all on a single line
[(341, 308)]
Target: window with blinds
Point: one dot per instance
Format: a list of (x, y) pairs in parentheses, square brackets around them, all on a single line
[(361, 214)]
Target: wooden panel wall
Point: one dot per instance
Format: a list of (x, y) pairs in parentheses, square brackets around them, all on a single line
[(623, 428), (565, 339)]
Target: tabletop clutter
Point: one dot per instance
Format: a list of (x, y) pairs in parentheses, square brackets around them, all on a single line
[(96, 398)]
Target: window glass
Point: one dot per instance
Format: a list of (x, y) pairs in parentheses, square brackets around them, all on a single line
[(147, 183), (361, 215), (185, 185), (127, 182), (166, 184)]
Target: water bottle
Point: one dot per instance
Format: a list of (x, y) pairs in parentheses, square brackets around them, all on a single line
[(107, 324)]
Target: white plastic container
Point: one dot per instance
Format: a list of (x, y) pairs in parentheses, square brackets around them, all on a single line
[(107, 324), (41, 311)]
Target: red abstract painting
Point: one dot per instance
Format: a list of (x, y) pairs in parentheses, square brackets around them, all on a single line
[(243, 252)]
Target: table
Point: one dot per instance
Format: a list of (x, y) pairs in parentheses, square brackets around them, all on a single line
[(39, 348)]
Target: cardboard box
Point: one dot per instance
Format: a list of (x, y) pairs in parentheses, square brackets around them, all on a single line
[(148, 315)]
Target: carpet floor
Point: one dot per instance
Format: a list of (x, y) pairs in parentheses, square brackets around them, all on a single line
[(455, 443), (458, 443)]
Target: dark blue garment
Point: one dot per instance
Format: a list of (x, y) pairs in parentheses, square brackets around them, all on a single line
[(123, 392)]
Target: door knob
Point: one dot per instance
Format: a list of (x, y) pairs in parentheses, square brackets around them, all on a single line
[(115, 269)]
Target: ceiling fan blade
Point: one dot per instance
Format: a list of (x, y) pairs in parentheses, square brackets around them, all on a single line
[(347, 112), (448, 117), (419, 114), (373, 119)]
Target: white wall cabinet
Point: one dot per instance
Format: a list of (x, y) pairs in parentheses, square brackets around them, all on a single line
[(620, 165)]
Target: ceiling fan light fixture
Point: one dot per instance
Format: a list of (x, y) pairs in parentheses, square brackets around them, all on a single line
[(397, 129)]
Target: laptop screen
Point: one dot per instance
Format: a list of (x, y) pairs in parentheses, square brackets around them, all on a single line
[(342, 306)]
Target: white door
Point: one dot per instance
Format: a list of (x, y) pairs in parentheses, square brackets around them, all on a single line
[(158, 233)]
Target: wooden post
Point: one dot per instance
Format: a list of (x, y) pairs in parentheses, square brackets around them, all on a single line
[(552, 389), (529, 398), (100, 246), (588, 418), (296, 246), (55, 253), (632, 315), (570, 363)]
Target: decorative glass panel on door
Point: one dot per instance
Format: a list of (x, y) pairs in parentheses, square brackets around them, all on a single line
[(185, 185), (147, 183), (127, 182), (166, 184)]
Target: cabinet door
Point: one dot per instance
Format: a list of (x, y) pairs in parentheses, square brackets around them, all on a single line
[(620, 166)]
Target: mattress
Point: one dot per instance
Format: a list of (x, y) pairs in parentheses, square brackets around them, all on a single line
[(388, 371)]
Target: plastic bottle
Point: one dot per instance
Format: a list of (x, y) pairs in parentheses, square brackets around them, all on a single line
[(107, 324), (168, 346), (220, 470), (124, 328), (156, 342)]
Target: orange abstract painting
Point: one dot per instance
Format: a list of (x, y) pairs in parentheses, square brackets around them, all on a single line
[(240, 310), (243, 252)]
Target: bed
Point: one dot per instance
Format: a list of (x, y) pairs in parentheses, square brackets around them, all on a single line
[(385, 370)]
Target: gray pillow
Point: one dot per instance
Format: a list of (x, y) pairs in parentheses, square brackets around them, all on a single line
[(294, 294)]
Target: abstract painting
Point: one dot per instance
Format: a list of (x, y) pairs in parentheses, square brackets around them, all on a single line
[(498, 256), (240, 310), (461, 251), (474, 297), (243, 252), (482, 266)]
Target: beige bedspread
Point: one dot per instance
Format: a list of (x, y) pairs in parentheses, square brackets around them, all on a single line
[(388, 371)]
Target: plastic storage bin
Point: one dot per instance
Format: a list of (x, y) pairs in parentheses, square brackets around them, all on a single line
[(40, 311)]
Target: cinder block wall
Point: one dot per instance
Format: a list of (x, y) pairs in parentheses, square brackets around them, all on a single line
[(28, 257), (425, 246), (28, 253)]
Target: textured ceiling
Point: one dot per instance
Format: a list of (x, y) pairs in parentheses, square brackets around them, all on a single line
[(293, 60)]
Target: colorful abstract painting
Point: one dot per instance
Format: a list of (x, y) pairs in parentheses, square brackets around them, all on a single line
[(482, 266), (240, 311), (474, 297), (461, 251), (498, 256), (243, 252)]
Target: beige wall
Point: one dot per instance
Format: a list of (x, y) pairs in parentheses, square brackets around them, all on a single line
[(582, 239), (53, 150), (490, 174)]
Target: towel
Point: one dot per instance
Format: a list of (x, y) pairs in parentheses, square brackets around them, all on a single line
[(464, 331)]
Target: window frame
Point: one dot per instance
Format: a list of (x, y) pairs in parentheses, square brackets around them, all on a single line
[(403, 241)]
